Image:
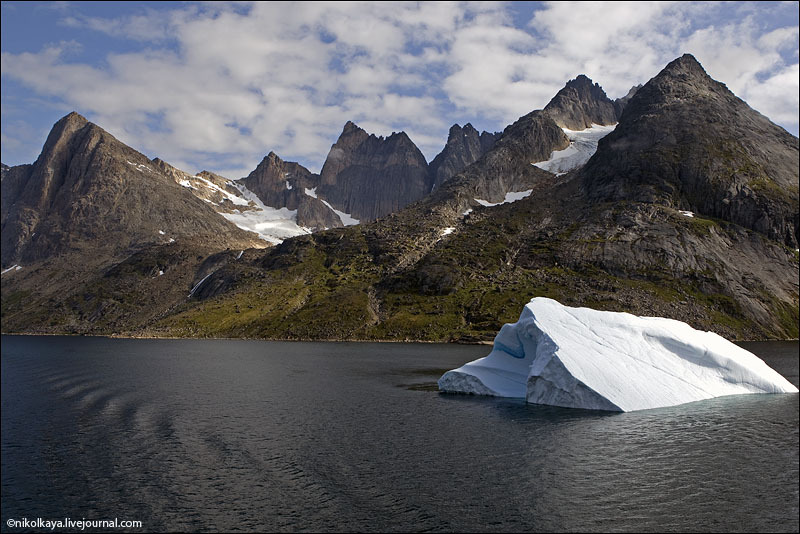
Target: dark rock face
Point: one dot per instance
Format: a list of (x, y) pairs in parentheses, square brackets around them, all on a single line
[(687, 142), (508, 165), (464, 147), (282, 184), (13, 180), (369, 177), (620, 103), (89, 192), (313, 213), (580, 104)]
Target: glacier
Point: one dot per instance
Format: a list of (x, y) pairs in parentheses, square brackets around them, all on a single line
[(582, 146), (599, 360)]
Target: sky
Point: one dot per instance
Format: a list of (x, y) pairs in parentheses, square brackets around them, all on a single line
[(218, 85)]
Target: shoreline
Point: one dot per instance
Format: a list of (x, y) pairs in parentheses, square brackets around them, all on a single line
[(304, 340)]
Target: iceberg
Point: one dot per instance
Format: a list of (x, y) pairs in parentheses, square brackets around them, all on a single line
[(598, 360)]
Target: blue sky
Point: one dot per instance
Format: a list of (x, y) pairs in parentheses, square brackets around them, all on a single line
[(218, 85)]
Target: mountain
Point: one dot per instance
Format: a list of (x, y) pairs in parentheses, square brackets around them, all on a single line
[(463, 148), (280, 183), (634, 229), (450, 267), (235, 202), (89, 192), (581, 103), (364, 176), (211, 188), (94, 233), (369, 177), (685, 141), (507, 167), (585, 114)]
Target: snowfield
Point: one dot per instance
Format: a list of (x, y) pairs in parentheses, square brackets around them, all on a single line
[(271, 224), (582, 146), (583, 358), (511, 196)]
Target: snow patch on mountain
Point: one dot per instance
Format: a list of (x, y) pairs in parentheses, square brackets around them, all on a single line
[(582, 146), (271, 224), (512, 196), (346, 218), (239, 201), (13, 267), (139, 167)]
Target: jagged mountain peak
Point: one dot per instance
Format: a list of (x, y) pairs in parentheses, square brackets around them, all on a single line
[(69, 123), (63, 131), (686, 64), (275, 170), (351, 127), (457, 129), (399, 137), (685, 141), (684, 78), (283, 184), (270, 160), (89, 190), (71, 118), (581, 80), (581, 103), (464, 147), (631, 92), (370, 176), (353, 134)]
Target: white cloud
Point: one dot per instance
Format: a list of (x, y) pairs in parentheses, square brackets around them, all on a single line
[(219, 85), (500, 70), (751, 65), (777, 96)]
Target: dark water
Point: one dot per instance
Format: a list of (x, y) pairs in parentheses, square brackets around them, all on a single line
[(243, 436)]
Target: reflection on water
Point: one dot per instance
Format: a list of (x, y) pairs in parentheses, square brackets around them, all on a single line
[(243, 435)]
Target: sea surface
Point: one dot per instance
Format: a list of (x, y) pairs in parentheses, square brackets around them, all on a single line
[(215, 435)]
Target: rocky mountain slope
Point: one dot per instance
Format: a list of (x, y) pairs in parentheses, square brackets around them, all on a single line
[(89, 192), (687, 142), (626, 232), (620, 103), (280, 183), (369, 176), (451, 268), (580, 104), (463, 148), (88, 203)]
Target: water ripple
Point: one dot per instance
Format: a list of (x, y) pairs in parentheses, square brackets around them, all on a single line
[(243, 436)]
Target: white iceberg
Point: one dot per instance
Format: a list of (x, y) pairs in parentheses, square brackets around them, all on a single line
[(583, 358)]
